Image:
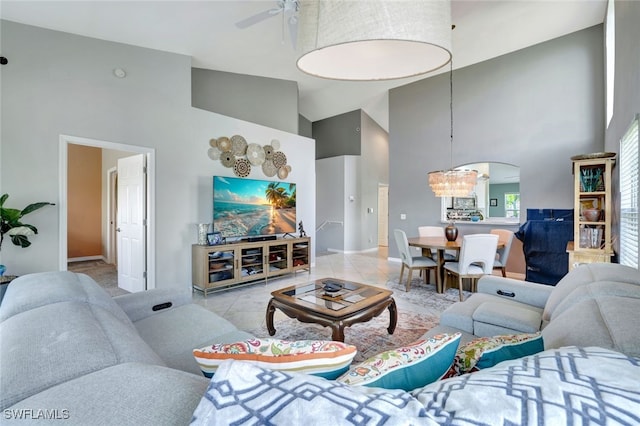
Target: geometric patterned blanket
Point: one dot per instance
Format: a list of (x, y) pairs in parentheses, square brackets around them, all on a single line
[(564, 386)]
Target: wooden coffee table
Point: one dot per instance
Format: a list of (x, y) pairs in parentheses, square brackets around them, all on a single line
[(332, 303)]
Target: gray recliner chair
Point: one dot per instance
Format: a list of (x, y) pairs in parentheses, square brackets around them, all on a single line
[(593, 305)]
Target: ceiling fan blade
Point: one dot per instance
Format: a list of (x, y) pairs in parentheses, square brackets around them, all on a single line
[(252, 20)]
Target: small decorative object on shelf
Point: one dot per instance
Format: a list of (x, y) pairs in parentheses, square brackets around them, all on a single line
[(451, 232), (301, 229), (203, 230)]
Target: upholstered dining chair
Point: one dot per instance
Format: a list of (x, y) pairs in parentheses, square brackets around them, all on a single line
[(503, 253), (477, 255), (437, 231), (412, 262)]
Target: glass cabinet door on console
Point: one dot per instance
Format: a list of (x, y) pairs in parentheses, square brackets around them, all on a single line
[(252, 264), (592, 238), (300, 256), (277, 258)]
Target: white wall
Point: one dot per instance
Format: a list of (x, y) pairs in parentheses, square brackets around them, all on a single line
[(57, 83)]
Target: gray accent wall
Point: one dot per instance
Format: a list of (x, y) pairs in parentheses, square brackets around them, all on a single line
[(261, 100), (347, 185), (305, 127), (339, 135), (534, 108)]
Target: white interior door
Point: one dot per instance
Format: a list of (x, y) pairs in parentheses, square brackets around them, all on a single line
[(131, 223)]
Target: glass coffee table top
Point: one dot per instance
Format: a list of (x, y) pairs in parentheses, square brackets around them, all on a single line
[(332, 294)]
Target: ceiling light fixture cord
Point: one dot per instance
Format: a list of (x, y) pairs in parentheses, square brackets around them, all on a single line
[(451, 106)]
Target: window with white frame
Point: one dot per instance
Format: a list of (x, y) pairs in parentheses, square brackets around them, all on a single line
[(629, 196), (512, 204)]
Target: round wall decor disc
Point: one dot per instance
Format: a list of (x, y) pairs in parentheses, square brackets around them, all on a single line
[(242, 168), (255, 154), (213, 153), (269, 169), (268, 152), (239, 145), (283, 172), (224, 144), (227, 159), (279, 159), (275, 143), (213, 142)]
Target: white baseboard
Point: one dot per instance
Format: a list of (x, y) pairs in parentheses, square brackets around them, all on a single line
[(85, 258)]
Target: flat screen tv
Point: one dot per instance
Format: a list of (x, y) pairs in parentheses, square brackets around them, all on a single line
[(248, 207)]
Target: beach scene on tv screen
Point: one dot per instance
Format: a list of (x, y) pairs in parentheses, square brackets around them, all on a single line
[(244, 207)]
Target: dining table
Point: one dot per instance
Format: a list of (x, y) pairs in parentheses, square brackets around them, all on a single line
[(440, 245)]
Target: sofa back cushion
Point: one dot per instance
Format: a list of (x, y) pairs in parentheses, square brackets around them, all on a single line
[(586, 274), (605, 321), (34, 290), (54, 343)]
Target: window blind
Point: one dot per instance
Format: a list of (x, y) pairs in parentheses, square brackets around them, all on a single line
[(629, 234)]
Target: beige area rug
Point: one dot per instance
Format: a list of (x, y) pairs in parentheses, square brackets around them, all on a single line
[(372, 337), (425, 295)]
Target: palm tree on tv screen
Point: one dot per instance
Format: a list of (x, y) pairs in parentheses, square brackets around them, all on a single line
[(279, 197)]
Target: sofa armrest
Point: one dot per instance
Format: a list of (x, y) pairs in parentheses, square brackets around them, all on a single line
[(146, 303), (529, 293)]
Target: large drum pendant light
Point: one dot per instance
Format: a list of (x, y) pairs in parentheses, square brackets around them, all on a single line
[(373, 39)]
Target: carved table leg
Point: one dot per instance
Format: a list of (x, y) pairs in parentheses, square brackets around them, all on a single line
[(337, 331), (393, 316), (270, 311)]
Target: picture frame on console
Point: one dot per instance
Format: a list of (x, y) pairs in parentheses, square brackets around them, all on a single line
[(215, 238), (493, 202)]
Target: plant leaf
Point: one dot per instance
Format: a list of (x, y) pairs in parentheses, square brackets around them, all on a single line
[(3, 199), (20, 240), (34, 206)]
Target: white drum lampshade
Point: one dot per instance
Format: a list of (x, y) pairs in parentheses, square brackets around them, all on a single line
[(373, 39)]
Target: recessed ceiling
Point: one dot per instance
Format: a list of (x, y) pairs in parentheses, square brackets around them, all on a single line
[(205, 31)]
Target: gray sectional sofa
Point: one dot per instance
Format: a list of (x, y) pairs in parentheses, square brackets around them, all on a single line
[(68, 348), (593, 305), (71, 354)]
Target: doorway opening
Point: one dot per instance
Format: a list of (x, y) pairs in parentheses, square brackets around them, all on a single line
[(140, 265)]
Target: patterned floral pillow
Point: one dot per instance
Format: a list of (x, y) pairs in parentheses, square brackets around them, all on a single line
[(485, 352), (407, 368), (322, 358)]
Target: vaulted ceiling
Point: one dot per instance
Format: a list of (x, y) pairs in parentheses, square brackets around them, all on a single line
[(206, 31)]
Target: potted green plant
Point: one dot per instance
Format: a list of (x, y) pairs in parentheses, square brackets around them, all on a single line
[(12, 226)]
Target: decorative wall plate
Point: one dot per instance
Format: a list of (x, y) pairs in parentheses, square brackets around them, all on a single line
[(227, 159), (269, 169), (213, 142), (214, 154), (255, 154), (279, 159), (242, 168), (224, 144), (238, 145), (275, 143), (268, 152), (283, 172)]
